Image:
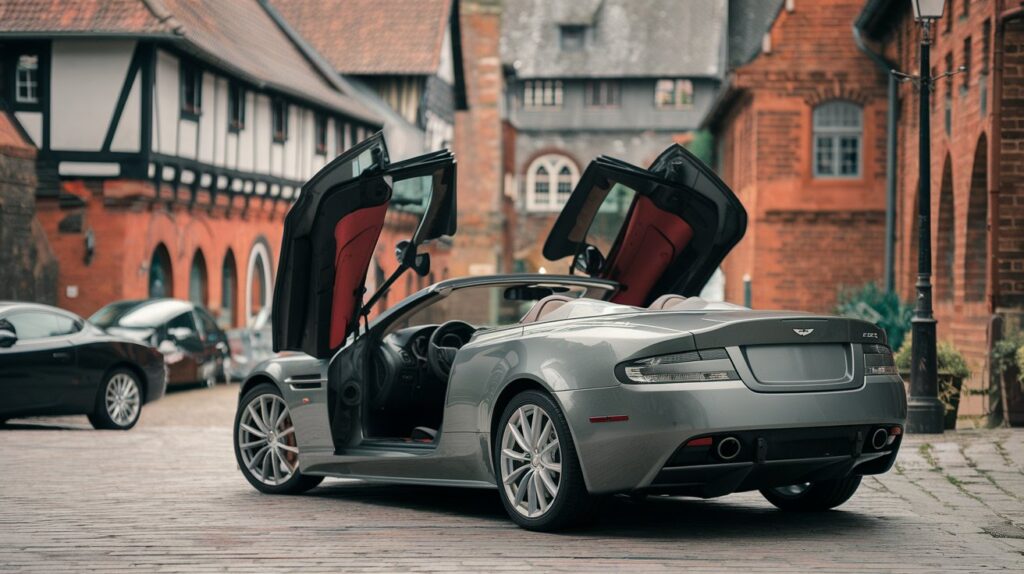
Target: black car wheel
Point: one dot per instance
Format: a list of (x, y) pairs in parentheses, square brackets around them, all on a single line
[(812, 496), (118, 402), (537, 471), (265, 445)]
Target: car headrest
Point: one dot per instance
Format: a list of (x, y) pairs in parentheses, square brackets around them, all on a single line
[(545, 306), (665, 301)]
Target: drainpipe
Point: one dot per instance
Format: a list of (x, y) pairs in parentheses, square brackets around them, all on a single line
[(890, 159)]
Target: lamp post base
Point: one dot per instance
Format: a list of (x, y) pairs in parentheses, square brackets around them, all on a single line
[(925, 415)]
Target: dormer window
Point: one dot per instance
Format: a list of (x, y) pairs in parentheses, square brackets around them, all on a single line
[(279, 109), (191, 91), (673, 94), (572, 37), (26, 79), (236, 107)]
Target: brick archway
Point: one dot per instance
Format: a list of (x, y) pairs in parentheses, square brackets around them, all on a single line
[(945, 244), (976, 245), (161, 273)]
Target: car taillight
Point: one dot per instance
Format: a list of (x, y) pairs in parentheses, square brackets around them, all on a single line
[(692, 367), (878, 360)]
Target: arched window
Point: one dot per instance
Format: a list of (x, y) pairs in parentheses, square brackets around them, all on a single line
[(161, 280), (228, 288), (197, 285), (258, 282), (550, 180), (838, 129)]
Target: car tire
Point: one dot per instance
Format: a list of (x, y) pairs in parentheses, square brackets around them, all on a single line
[(814, 496), (571, 505), (248, 457), (118, 401)]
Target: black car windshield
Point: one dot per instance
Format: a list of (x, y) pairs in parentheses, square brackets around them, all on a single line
[(138, 314)]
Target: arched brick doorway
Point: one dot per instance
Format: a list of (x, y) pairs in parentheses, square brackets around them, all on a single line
[(976, 248), (161, 275), (198, 284), (945, 244), (228, 291)]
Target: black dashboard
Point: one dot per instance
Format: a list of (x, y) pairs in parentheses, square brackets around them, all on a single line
[(405, 384)]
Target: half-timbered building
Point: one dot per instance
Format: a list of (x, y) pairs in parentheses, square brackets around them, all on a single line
[(171, 137)]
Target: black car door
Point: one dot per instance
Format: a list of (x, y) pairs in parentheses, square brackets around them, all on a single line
[(39, 369)]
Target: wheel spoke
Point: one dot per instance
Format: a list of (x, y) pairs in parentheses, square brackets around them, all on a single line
[(526, 430), (255, 418), (252, 443), (521, 487), (515, 455), (518, 438), (288, 448), (538, 487), (553, 466), (512, 476), (549, 484), (252, 431)]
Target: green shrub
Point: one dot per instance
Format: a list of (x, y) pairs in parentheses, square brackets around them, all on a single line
[(871, 303), (950, 361)]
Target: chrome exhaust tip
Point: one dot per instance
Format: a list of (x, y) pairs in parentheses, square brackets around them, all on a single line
[(879, 439), (728, 448)]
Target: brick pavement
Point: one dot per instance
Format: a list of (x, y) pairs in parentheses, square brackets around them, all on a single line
[(166, 497)]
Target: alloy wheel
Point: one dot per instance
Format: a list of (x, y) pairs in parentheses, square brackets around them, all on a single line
[(530, 460), (266, 440), (122, 399)]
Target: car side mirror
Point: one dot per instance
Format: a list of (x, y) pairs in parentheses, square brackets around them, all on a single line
[(589, 260), (7, 338), (422, 264)]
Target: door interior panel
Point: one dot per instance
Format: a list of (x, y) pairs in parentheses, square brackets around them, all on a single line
[(355, 238), (650, 242)]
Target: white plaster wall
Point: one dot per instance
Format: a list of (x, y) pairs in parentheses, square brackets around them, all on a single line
[(85, 82)]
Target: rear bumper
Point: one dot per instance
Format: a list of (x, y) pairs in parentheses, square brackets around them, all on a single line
[(636, 454)]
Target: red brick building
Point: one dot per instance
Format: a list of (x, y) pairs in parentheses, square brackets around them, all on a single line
[(800, 135), (977, 169)]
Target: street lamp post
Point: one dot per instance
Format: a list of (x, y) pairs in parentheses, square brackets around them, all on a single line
[(925, 411)]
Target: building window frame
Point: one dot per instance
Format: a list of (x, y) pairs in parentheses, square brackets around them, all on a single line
[(550, 179), (191, 83), (572, 37), (27, 79), (542, 94), (836, 125), (279, 119), (237, 95), (602, 94), (673, 94), (320, 134)]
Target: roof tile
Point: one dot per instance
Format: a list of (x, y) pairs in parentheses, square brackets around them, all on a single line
[(400, 37)]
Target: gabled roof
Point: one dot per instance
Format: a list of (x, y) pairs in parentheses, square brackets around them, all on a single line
[(749, 21), (627, 38), (399, 37), (236, 35)]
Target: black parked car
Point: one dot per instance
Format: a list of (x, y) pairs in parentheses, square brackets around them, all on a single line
[(53, 362), (194, 347)]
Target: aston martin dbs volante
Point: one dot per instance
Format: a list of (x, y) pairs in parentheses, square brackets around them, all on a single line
[(53, 362), (556, 389)]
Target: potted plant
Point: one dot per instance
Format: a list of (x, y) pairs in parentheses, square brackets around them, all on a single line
[(952, 371), (1007, 390)]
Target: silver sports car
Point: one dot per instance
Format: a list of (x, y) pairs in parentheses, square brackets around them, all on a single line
[(556, 389)]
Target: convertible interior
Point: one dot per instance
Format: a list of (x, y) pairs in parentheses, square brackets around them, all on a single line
[(412, 364)]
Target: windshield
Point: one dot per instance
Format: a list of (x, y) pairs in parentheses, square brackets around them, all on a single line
[(138, 315), (490, 306)]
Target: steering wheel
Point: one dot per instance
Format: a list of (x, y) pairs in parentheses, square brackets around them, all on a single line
[(444, 343)]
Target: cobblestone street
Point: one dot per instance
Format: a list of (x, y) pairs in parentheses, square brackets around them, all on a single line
[(166, 496)]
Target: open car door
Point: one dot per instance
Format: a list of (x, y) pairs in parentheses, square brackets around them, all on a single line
[(659, 230), (331, 232)]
